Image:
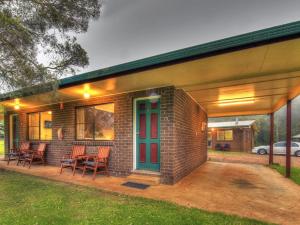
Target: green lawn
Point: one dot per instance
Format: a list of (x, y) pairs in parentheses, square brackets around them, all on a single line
[(29, 200), (295, 172)]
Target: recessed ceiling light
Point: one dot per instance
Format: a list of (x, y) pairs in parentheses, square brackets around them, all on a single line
[(86, 95)]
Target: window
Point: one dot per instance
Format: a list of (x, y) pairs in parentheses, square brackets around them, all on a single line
[(280, 144), (224, 135), (209, 136), (95, 122), (283, 144), (40, 126)]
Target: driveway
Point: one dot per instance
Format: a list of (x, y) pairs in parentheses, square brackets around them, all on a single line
[(246, 190), (240, 157)]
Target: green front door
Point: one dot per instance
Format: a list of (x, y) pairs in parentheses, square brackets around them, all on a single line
[(148, 134)]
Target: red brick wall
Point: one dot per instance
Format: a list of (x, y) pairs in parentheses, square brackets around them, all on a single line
[(121, 160), (190, 140), (182, 142), (248, 137)]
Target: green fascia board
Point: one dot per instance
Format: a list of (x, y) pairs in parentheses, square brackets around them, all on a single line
[(289, 30), (28, 91)]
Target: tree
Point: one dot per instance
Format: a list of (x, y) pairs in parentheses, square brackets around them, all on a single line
[(29, 28)]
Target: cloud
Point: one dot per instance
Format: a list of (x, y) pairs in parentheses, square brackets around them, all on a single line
[(134, 29)]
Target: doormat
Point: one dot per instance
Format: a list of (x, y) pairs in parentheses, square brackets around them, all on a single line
[(136, 185)]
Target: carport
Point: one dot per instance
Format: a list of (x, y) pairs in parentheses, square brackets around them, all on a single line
[(251, 74)]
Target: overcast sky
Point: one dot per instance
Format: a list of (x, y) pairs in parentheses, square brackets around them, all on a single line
[(135, 29)]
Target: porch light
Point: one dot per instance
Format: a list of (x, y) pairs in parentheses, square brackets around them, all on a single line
[(17, 104), (49, 112), (233, 102), (86, 95), (86, 91), (17, 107)]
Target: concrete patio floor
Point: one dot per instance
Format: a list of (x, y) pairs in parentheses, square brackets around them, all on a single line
[(246, 190)]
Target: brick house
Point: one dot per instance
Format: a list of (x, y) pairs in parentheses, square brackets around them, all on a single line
[(153, 112), (162, 110), (235, 135)]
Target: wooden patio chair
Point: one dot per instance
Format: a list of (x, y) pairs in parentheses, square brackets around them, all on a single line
[(218, 147), (71, 160), (38, 155), (17, 153), (98, 163)]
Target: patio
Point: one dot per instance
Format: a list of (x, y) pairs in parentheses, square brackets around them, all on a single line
[(262, 193)]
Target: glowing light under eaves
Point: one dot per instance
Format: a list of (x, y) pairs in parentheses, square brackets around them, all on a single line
[(232, 102)]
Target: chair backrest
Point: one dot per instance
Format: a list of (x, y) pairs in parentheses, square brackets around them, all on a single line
[(78, 150), (103, 152), (41, 148), (24, 146)]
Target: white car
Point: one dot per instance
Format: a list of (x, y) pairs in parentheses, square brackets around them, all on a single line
[(278, 149)]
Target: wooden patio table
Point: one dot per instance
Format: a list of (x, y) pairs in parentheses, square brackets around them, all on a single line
[(79, 161)]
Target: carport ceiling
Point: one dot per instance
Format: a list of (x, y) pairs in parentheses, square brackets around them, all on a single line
[(255, 80)]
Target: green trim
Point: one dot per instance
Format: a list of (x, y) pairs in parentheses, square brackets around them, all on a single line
[(252, 38), (15, 131)]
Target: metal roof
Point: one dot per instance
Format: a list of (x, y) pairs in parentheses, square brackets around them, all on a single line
[(245, 123), (268, 35)]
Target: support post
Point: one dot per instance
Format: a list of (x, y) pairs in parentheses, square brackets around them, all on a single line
[(288, 138), (271, 138)]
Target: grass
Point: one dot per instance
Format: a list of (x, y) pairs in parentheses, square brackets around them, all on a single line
[(29, 200), (295, 172)]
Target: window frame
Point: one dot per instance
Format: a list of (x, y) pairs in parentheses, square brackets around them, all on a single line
[(93, 139), (224, 135), (28, 127), (39, 126)]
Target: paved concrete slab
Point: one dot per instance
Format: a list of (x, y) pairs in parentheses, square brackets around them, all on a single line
[(234, 157), (246, 190)]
